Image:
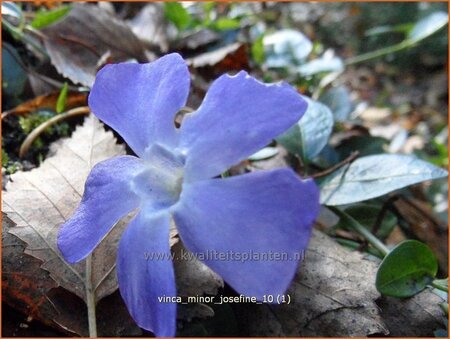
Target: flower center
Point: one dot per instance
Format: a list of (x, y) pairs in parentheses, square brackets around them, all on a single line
[(160, 181)]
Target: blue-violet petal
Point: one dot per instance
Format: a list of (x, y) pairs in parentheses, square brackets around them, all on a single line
[(140, 101), (251, 229), (145, 273), (238, 116), (107, 198)]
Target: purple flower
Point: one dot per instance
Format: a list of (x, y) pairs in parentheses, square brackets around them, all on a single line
[(173, 177)]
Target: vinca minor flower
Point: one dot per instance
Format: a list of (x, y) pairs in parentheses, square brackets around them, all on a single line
[(175, 176)]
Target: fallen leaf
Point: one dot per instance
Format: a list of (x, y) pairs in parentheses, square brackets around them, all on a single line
[(39, 201), (150, 26), (79, 41), (222, 60), (196, 40), (423, 225), (29, 289), (193, 279), (417, 316), (334, 295), (74, 99), (192, 276)]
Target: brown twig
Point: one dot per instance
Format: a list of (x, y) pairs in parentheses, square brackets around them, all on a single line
[(348, 160)]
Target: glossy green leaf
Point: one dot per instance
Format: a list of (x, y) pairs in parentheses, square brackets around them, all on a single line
[(406, 270), (62, 98), (321, 65), (310, 135), (286, 48), (364, 144), (428, 26), (14, 76), (177, 14), (375, 175), (44, 18), (338, 100)]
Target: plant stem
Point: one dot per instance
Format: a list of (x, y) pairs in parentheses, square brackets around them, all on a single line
[(380, 52), (357, 227), (356, 245), (90, 299), (439, 286), (19, 35)]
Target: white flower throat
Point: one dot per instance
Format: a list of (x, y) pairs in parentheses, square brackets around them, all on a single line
[(162, 177)]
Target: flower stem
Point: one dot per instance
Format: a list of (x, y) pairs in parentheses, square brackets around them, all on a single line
[(90, 299), (357, 227)]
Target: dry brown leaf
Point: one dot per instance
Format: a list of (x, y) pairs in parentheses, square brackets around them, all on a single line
[(39, 201), (78, 43), (150, 25), (192, 276), (424, 226), (334, 295), (74, 99), (30, 290), (225, 59), (194, 41)]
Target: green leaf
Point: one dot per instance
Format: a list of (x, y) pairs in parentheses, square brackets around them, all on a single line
[(177, 14), (14, 76), (258, 50), (265, 153), (375, 175), (5, 158), (44, 18), (406, 270), (62, 98), (224, 24), (321, 65), (364, 144), (428, 26), (286, 48), (401, 28), (338, 100), (310, 135)]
